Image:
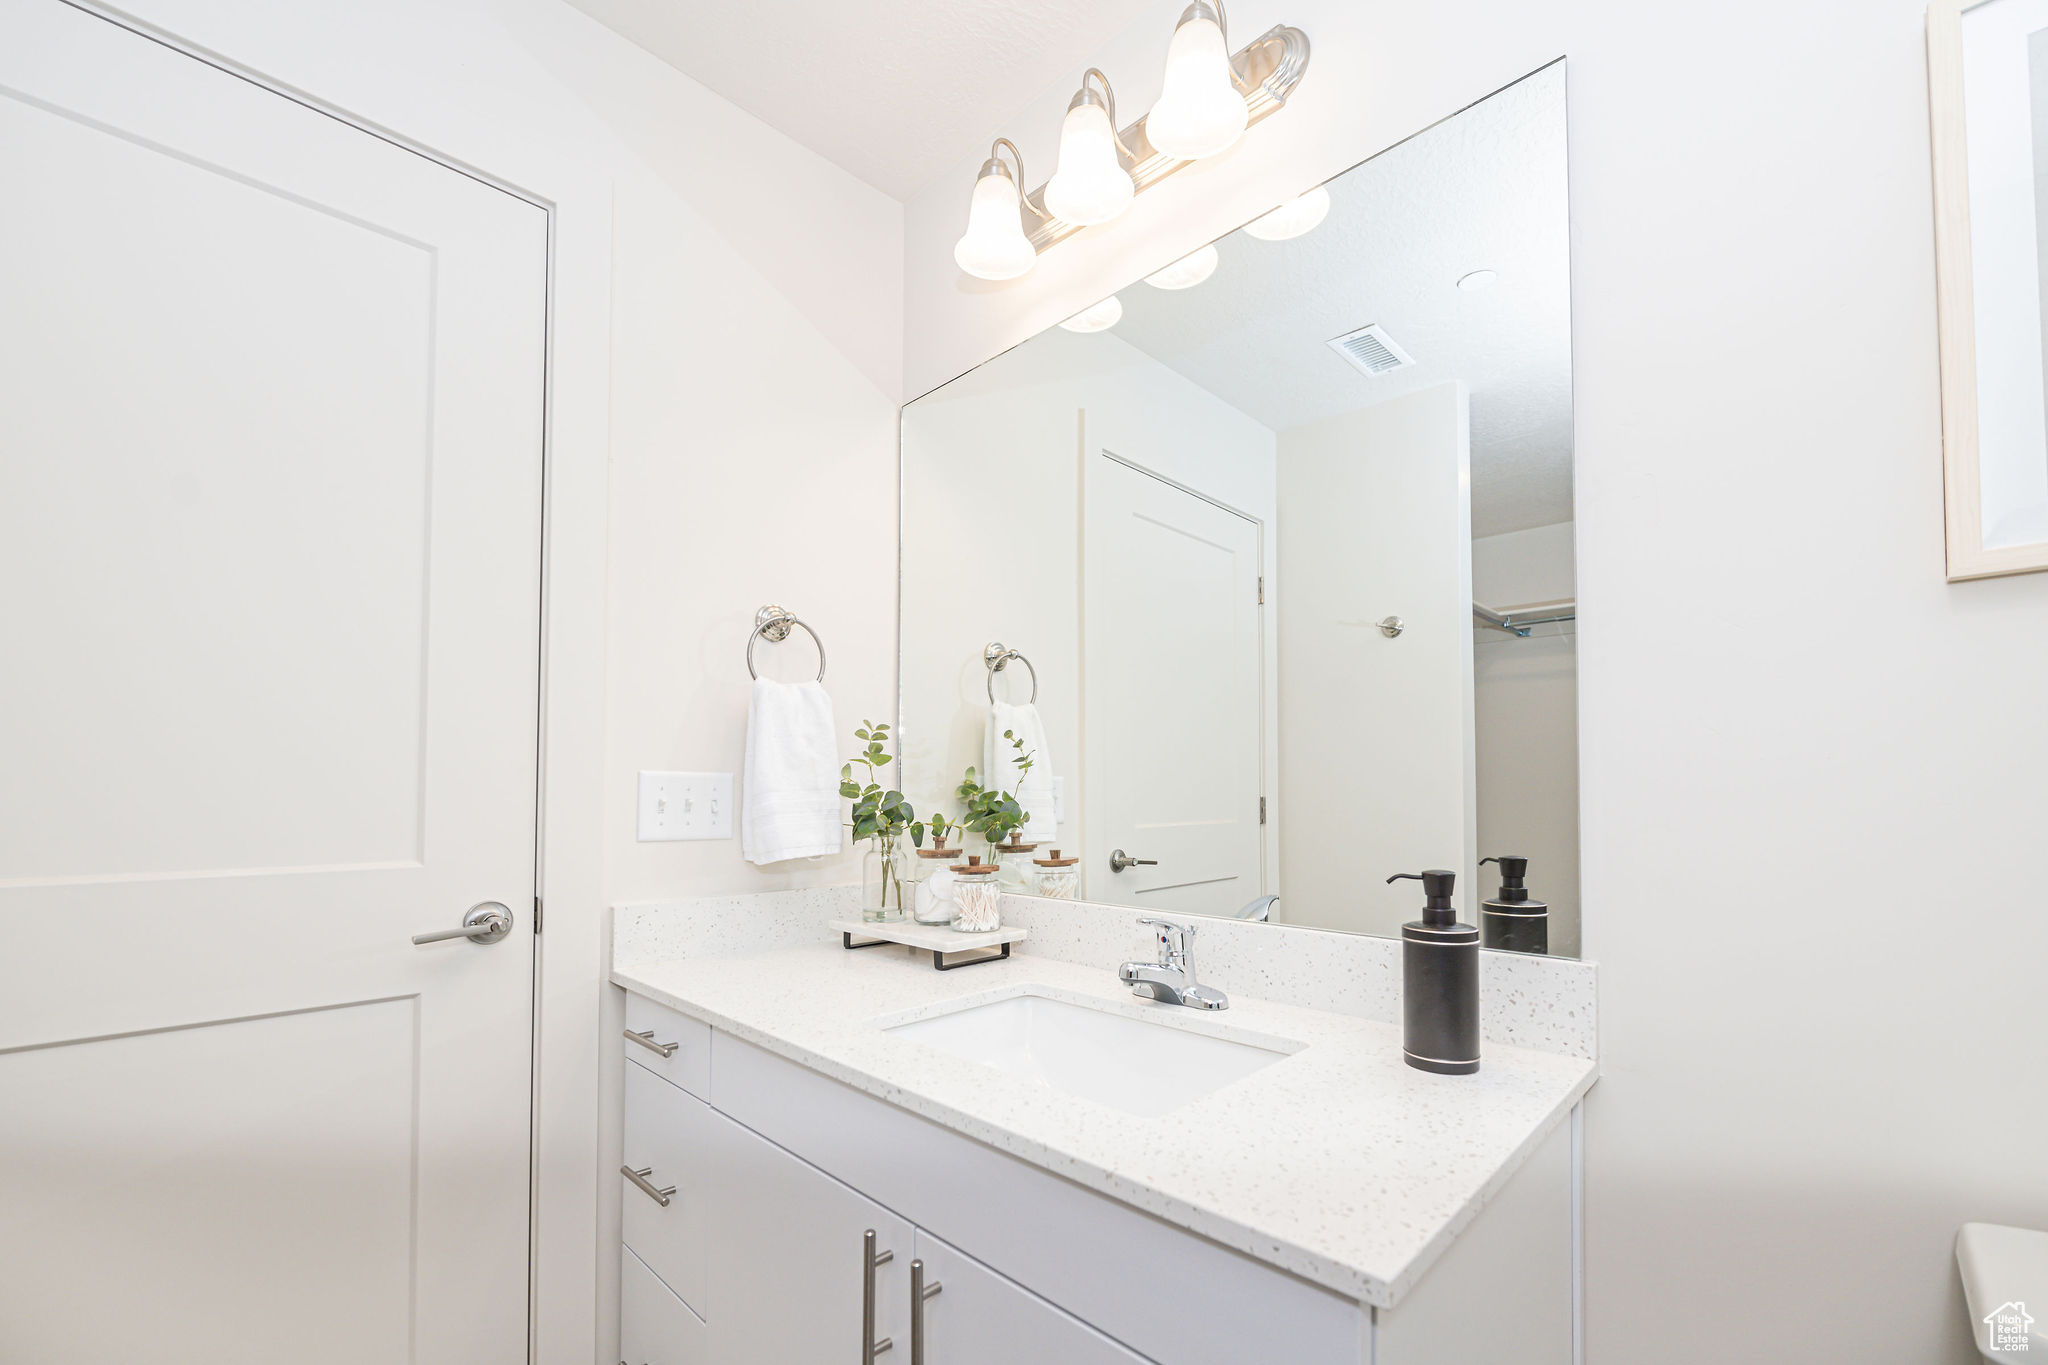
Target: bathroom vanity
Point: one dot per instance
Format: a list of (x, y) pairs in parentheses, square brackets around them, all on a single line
[(1023, 1162)]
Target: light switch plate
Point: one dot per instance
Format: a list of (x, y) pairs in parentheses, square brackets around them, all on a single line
[(685, 806)]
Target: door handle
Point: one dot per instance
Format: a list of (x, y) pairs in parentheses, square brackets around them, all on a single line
[(1118, 861), (871, 1258), (486, 922), (660, 1195)]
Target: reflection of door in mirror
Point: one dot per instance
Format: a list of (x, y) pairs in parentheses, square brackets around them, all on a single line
[(1376, 734), (1172, 713)]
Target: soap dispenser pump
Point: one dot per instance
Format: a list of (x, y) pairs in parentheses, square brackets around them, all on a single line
[(1512, 921), (1439, 981)]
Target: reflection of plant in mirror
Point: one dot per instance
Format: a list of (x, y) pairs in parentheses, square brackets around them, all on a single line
[(992, 812), (878, 814)]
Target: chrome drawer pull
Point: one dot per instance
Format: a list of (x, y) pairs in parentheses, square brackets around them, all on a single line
[(646, 1040), (919, 1292), (647, 1187), (871, 1258)]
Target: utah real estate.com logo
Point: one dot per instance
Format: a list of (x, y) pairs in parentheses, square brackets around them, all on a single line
[(2010, 1326)]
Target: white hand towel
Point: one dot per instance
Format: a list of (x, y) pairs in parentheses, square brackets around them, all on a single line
[(790, 806), (999, 765)]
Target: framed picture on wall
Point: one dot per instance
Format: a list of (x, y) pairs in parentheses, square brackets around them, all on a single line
[(1987, 77)]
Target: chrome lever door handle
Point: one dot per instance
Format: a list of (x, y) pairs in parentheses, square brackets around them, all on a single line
[(1118, 861), (486, 922), (659, 1194)]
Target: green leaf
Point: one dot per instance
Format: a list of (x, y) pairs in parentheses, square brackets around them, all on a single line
[(849, 790), (881, 759)]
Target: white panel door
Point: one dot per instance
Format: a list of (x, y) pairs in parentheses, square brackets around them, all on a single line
[(270, 470), (1377, 739), (1173, 718)]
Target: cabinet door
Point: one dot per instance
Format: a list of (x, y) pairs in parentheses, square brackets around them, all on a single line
[(980, 1318), (788, 1272), (656, 1327)]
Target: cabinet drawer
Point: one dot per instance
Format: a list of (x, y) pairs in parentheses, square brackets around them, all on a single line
[(667, 1135), (656, 1327), (980, 1318), (688, 1041)]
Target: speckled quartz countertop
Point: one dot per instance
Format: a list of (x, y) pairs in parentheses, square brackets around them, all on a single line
[(1338, 1163)]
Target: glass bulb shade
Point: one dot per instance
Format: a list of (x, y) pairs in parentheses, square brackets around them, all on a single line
[(1098, 317), (1200, 111), (1188, 271), (994, 246), (1292, 218), (1091, 185)]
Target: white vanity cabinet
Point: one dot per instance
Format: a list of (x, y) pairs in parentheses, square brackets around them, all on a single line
[(979, 1318), (790, 1280), (779, 1173)]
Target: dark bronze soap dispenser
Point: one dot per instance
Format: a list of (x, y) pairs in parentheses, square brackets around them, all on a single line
[(1439, 981), (1514, 921)]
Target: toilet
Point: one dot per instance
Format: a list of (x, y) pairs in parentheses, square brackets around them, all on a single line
[(2004, 1271)]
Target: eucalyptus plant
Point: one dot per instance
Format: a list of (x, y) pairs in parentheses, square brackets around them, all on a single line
[(990, 811), (878, 813)]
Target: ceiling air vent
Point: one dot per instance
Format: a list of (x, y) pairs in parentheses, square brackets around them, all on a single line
[(1371, 351)]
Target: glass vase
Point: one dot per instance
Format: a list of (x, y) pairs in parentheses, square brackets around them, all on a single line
[(882, 883)]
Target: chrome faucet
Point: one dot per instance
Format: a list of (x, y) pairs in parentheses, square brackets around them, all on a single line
[(1172, 977)]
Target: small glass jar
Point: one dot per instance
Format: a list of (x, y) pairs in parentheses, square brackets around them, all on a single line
[(1056, 878), (1013, 863), (882, 883), (977, 896), (931, 893)]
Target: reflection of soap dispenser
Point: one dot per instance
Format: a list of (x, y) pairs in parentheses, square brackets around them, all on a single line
[(1511, 921), (1439, 981)]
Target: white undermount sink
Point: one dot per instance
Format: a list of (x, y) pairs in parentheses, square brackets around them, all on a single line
[(1135, 1065)]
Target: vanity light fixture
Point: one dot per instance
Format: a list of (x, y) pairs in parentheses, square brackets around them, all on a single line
[(1090, 185), (994, 246), (1212, 95), (1292, 218), (1201, 107), (1187, 272), (1097, 317), (1478, 279)]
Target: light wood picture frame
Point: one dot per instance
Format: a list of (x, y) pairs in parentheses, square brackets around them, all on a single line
[(1972, 553)]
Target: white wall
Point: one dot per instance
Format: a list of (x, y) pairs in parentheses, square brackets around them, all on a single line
[(1526, 708), (1376, 741), (1810, 768), (1003, 450), (735, 364)]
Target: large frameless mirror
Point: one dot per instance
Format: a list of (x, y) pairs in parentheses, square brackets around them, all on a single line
[(1254, 585)]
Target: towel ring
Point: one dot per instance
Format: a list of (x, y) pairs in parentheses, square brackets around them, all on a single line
[(774, 622), (998, 658)]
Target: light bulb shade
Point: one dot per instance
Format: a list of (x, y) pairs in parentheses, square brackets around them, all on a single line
[(1090, 186), (1187, 272), (1200, 111), (1097, 317), (994, 246), (1292, 218)]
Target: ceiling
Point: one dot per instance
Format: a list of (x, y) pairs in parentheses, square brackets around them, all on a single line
[(886, 97), (1483, 190)]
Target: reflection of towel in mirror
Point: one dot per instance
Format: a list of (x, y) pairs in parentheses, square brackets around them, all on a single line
[(790, 804), (999, 767)]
